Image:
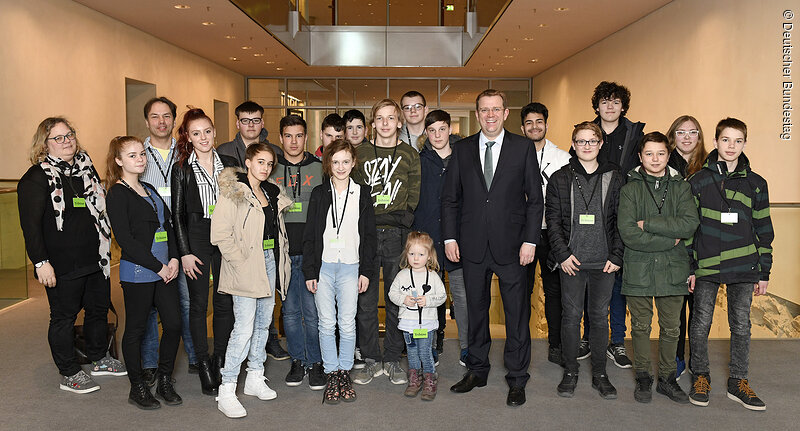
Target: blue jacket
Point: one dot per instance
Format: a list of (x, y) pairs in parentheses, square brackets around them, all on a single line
[(428, 215)]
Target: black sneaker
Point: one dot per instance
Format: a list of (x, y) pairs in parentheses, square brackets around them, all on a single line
[(194, 369), (701, 386), (554, 356), (643, 392), (296, 374), (584, 351), (275, 351), (739, 391), (669, 386), (604, 387), (567, 386), (316, 377), (616, 352), (149, 376), (440, 341)]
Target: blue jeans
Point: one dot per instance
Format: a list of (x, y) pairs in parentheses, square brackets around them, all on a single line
[(300, 318), (740, 297), (150, 340), (248, 339), (337, 288), (419, 351)]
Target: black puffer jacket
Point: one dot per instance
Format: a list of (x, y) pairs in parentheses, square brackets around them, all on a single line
[(560, 201), (187, 208)]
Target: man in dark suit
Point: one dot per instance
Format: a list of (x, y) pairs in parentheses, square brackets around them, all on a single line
[(493, 181)]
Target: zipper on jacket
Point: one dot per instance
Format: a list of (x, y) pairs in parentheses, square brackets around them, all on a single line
[(247, 215)]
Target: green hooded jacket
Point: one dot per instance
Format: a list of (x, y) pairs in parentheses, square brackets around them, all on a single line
[(653, 265)]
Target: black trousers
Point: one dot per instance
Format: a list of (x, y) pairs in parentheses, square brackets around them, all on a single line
[(139, 299), (592, 287), (517, 310), (688, 301), (222, 322), (92, 293), (551, 284)]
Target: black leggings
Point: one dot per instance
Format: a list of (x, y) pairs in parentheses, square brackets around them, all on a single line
[(222, 322), (688, 300), (139, 299)]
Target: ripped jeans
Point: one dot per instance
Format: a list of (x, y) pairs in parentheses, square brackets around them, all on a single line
[(669, 309)]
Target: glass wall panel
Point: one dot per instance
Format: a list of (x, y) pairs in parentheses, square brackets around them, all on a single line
[(460, 93), (361, 92), (312, 92), (428, 88), (13, 259), (266, 92), (517, 91)]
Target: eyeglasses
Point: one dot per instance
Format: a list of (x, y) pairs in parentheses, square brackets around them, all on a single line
[(681, 133), (247, 121), (497, 110), (416, 107), (60, 139), (583, 142)]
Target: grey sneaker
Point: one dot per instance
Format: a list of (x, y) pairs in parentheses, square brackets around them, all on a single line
[(396, 373), (366, 374), (108, 366), (80, 383)]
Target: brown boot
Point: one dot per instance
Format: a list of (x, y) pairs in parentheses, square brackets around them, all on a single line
[(414, 383), (429, 386)]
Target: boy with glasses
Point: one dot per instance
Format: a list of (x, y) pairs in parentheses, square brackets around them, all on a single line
[(414, 111)]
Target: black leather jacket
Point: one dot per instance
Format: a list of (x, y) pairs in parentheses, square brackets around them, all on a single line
[(186, 205)]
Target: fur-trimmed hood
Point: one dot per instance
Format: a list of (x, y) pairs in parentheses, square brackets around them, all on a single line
[(233, 184)]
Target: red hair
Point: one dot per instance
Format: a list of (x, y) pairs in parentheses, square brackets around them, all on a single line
[(184, 146)]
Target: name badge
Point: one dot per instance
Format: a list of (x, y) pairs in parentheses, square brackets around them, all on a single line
[(383, 199), (161, 236), (336, 243), (78, 203), (269, 244), (211, 209), (296, 207), (729, 218), (165, 191), (586, 219), (420, 333)]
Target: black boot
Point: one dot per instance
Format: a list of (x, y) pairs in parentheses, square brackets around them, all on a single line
[(218, 364), (141, 397), (166, 391), (207, 380)]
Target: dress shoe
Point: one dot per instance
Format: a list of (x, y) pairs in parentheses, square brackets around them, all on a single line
[(466, 384), (208, 383), (516, 396)]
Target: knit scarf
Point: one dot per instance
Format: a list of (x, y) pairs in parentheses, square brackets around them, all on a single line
[(94, 194)]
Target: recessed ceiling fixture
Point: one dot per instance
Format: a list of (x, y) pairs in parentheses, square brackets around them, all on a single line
[(208, 23), (230, 36), (508, 56), (527, 38), (561, 9), (278, 68), (181, 6), (269, 62), (258, 54), (233, 58), (247, 47), (542, 25), (534, 60)]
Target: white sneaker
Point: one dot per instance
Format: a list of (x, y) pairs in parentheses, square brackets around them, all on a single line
[(227, 402), (255, 385)]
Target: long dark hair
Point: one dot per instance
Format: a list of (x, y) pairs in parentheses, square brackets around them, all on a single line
[(184, 146)]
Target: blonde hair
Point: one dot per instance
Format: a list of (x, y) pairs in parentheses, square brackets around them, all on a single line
[(384, 103), (425, 240), (39, 142)]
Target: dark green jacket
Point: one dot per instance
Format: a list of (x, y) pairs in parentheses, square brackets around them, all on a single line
[(653, 264), (738, 252)]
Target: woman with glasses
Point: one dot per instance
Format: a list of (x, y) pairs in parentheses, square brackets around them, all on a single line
[(195, 189), (62, 207), (687, 157)]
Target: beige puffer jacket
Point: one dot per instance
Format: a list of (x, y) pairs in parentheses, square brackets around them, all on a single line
[(237, 228)]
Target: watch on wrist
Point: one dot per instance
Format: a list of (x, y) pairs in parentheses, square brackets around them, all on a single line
[(39, 264)]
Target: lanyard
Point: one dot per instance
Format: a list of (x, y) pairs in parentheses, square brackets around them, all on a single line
[(211, 183), (169, 162), (335, 210), (149, 196), (580, 189), (394, 153), (663, 197), (297, 187), (721, 189), (411, 275)]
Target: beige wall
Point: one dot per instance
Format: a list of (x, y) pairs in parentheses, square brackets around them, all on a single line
[(710, 59), (61, 58)]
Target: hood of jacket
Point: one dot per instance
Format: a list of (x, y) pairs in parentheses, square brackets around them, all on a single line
[(604, 166), (636, 173), (233, 184), (308, 159), (429, 146), (713, 163)]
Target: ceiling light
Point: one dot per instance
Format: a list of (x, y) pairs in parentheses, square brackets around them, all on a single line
[(181, 6), (542, 25), (508, 56), (278, 68), (561, 9), (527, 38), (534, 60), (247, 47), (207, 23), (233, 58), (269, 62), (258, 54), (230, 36)]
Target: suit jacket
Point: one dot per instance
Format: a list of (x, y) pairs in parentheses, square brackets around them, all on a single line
[(499, 218)]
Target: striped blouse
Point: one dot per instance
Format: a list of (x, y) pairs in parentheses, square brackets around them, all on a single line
[(207, 184)]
